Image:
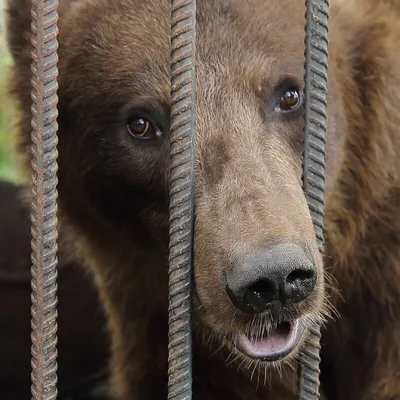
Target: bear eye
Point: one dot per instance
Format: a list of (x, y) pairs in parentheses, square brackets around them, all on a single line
[(290, 100), (142, 128)]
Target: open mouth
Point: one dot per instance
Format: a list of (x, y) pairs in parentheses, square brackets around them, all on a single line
[(274, 345)]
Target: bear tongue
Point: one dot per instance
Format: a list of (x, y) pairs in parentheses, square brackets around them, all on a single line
[(277, 344)]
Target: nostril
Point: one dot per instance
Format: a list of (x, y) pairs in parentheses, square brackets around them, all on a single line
[(299, 284), (300, 275), (261, 294), (261, 287)]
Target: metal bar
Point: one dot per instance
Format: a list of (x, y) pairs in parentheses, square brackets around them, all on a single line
[(183, 112), (316, 64), (44, 199)]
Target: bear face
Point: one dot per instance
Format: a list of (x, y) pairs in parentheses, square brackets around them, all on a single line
[(114, 61), (254, 240), (258, 273)]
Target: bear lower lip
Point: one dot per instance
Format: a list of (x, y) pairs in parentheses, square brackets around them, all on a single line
[(277, 344)]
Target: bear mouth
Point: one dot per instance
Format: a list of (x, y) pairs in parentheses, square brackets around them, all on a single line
[(274, 345)]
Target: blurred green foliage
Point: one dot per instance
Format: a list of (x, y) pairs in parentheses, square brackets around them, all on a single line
[(7, 165)]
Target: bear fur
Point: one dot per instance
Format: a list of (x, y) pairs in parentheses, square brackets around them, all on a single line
[(80, 319), (113, 190), (82, 340)]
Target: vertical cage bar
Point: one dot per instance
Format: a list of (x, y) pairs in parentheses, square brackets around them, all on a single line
[(44, 199), (315, 77), (183, 112)]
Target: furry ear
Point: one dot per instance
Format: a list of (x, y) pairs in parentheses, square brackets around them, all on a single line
[(18, 23), (18, 36)]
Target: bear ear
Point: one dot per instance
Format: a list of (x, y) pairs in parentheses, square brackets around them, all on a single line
[(18, 23), (18, 36)]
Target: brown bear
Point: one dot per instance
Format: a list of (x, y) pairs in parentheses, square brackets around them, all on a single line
[(80, 318), (259, 278)]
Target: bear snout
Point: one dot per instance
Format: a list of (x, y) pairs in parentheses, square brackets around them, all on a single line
[(271, 278)]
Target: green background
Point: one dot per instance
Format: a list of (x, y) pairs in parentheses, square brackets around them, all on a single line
[(7, 164)]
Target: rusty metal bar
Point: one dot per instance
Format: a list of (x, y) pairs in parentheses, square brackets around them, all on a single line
[(183, 112), (315, 77), (44, 199)]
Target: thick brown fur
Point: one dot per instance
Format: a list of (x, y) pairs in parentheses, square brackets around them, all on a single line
[(82, 336), (114, 55)]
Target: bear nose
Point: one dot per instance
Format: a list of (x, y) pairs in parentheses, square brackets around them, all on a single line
[(281, 274)]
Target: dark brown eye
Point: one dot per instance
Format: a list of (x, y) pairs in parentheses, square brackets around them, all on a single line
[(290, 100), (142, 128)]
